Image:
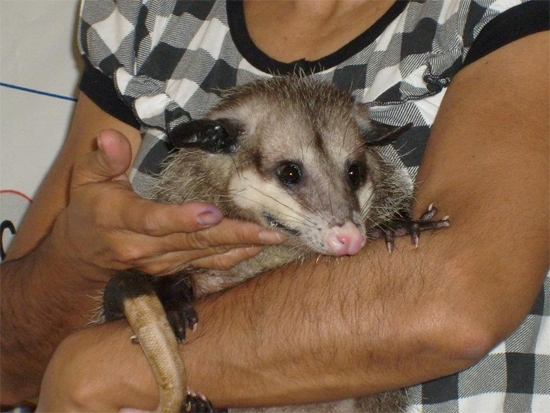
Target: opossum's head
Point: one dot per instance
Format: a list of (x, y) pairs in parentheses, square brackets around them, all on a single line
[(300, 159)]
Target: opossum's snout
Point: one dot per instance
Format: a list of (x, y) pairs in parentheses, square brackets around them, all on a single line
[(344, 240), (338, 240)]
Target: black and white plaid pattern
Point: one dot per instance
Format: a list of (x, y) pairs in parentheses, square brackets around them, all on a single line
[(513, 378), (171, 59)]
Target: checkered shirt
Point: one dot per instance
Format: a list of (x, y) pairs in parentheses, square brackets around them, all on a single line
[(170, 60)]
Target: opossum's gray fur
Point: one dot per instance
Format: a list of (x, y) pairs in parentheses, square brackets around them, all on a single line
[(387, 402), (290, 117)]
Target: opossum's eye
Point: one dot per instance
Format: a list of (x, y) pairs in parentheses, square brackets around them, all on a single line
[(356, 175), (289, 173)]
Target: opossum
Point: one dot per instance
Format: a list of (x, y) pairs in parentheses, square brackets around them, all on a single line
[(289, 153)]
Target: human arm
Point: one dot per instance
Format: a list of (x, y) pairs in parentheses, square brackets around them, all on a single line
[(84, 223), (363, 324)]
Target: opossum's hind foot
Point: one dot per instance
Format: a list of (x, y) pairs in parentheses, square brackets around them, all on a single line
[(181, 319), (197, 403), (402, 227), (176, 294)]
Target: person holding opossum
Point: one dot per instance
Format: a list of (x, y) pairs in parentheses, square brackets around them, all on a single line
[(470, 75)]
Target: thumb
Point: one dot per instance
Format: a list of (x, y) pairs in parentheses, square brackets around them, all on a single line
[(109, 162)]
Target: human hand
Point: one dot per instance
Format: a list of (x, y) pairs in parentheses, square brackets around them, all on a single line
[(108, 225)]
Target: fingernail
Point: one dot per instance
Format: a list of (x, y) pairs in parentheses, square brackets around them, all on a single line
[(271, 237), (208, 218)]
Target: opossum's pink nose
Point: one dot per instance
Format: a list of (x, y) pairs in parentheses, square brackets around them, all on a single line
[(345, 240)]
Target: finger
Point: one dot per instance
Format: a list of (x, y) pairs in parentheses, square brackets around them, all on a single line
[(215, 259), (155, 219), (139, 250), (227, 260), (143, 252), (228, 233), (176, 250), (237, 233), (192, 225), (110, 161)]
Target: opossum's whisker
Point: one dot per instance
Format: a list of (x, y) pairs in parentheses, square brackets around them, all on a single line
[(291, 219), (236, 167), (282, 204), (310, 207), (368, 204)]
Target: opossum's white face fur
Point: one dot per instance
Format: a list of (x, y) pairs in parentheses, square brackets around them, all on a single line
[(296, 159)]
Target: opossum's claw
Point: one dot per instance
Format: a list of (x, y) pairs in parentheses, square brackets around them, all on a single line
[(176, 295), (198, 403), (430, 213), (181, 319), (389, 237), (401, 227)]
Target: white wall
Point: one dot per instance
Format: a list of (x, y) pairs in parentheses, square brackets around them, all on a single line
[(39, 73)]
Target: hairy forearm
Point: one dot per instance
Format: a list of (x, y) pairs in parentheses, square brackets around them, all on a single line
[(328, 330), (44, 299), (305, 336)]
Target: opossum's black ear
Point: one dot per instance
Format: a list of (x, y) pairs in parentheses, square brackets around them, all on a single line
[(380, 134), (214, 136), (376, 133)]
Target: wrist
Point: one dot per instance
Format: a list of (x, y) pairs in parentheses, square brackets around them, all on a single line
[(62, 302)]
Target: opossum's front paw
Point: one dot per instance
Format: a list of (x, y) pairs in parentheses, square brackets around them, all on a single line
[(197, 403), (401, 227)]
